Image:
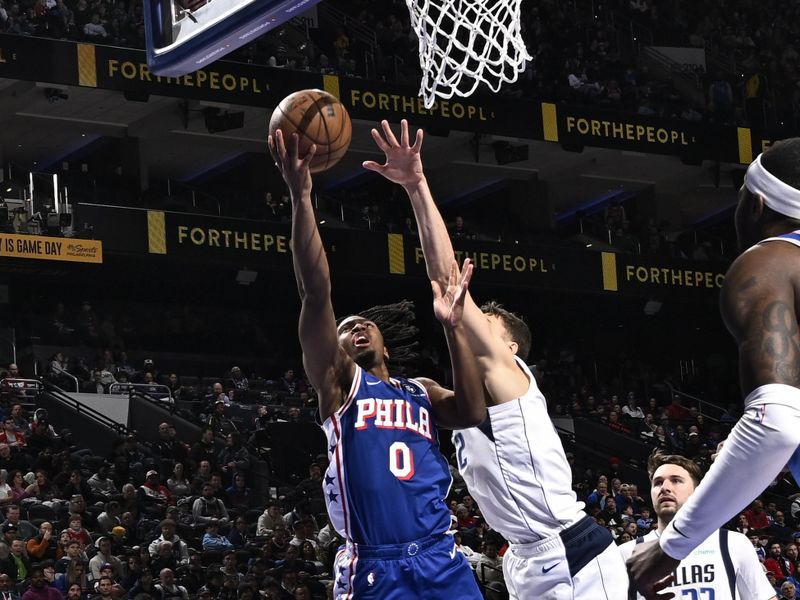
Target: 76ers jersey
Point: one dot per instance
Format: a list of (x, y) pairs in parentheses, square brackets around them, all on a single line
[(514, 466), (792, 237), (387, 479)]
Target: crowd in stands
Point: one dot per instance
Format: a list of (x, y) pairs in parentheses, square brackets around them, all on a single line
[(108, 342), (180, 518), (172, 519), (111, 344), (583, 52), (758, 41), (577, 56), (378, 207), (132, 325), (238, 402), (176, 518), (615, 223)]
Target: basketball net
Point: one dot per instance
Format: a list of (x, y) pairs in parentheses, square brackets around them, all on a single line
[(463, 43)]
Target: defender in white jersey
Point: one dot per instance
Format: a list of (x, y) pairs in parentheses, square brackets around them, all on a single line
[(724, 566), (760, 305), (513, 463)]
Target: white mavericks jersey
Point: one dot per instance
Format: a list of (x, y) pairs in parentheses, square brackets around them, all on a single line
[(514, 466), (724, 567)]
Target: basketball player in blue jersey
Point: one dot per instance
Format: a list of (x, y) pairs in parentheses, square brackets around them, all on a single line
[(386, 485), (723, 566), (759, 302), (513, 463)]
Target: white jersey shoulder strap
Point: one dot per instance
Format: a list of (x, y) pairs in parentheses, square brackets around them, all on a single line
[(725, 553)]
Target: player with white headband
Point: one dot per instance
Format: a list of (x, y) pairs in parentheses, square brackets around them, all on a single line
[(776, 194), (760, 303)]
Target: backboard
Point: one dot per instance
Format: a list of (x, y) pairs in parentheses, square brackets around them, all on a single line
[(185, 35)]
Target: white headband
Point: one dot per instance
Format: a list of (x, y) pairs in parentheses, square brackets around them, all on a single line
[(778, 195)]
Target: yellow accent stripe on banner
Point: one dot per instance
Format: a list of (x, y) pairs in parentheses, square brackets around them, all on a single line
[(331, 85), (745, 145), (87, 66), (397, 259), (156, 232), (549, 122), (610, 272)]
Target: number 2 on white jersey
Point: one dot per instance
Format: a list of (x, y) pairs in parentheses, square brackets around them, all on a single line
[(401, 461), (458, 441)]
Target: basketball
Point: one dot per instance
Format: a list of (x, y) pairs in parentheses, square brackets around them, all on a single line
[(318, 118)]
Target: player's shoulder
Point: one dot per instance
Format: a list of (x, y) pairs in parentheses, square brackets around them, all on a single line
[(734, 537), (767, 271), (739, 546), (424, 385), (425, 382), (766, 254), (626, 549)]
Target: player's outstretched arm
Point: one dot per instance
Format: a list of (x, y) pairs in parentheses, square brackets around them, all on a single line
[(404, 166), (464, 406), (326, 364), (758, 305)]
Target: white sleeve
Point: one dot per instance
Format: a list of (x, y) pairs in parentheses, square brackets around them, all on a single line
[(751, 581), (626, 550), (762, 442)]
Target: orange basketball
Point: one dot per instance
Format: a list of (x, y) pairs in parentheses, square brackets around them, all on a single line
[(318, 118)]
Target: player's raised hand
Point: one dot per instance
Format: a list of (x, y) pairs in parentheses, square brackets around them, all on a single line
[(448, 302), (295, 170), (403, 163)]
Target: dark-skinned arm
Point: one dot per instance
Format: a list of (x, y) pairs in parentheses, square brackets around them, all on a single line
[(325, 363), (758, 306)]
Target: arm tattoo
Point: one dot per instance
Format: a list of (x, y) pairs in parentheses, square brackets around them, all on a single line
[(779, 342)]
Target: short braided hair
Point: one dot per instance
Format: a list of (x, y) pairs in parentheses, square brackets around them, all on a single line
[(396, 322)]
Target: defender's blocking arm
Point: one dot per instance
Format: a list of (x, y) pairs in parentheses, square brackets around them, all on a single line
[(404, 166)]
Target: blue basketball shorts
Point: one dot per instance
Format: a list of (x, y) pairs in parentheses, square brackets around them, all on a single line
[(429, 568)]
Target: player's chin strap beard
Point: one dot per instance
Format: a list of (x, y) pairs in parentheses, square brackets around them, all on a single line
[(365, 360), (778, 195)]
